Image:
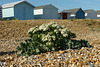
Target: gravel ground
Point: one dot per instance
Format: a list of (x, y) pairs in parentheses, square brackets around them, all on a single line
[(66, 58), (84, 57)]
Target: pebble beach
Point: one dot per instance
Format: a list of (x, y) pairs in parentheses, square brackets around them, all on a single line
[(66, 58), (84, 57)]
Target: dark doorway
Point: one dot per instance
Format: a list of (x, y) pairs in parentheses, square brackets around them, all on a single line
[(64, 16)]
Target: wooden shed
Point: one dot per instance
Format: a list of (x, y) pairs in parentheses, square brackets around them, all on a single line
[(72, 14), (46, 12), (98, 14), (0, 12), (21, 10), (91, 14), (63, 15)]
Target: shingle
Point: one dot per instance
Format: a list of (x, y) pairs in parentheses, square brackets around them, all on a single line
[(13, 4)]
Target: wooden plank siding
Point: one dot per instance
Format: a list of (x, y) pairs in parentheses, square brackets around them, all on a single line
[(72, 14), (21, 10), (80, 14), (0, 12), (46, 12)]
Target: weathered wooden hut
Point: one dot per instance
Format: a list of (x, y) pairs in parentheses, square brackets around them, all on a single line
[(46, 12), (72, 14), (91, 14), (0, 12), (21, 10), (98, 14)]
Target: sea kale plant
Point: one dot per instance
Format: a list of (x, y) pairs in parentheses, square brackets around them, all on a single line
[(49, 37)]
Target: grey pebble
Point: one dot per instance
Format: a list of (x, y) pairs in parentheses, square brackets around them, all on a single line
[(91, 65)]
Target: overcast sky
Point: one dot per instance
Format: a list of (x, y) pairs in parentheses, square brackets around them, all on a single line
[(63, 4)]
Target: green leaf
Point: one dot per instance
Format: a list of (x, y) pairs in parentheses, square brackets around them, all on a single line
[(53, 48), (37, 50)]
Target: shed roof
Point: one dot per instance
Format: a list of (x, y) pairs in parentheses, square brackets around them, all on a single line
[(98, 11), (40, 7), (15, 3), (88, 10), (71, 10)]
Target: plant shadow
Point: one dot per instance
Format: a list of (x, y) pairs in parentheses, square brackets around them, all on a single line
[(4, 53)]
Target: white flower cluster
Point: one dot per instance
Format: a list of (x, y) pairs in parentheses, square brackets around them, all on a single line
[(31, 29), (43, 27), (54, 24), (53, 28), (34, 29), (49, 43), (56, 31), (65, 32), (48, 37)]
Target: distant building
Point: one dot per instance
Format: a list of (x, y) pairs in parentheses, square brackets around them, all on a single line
[(91, 14), (98, 14), (46, 12), (0, 12), (64, 15), (21, 10), (72, 14)]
